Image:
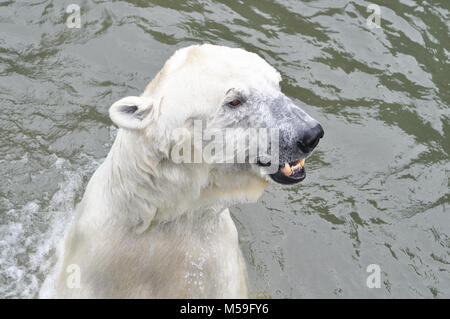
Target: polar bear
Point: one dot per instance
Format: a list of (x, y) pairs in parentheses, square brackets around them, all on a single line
[(152, 227)]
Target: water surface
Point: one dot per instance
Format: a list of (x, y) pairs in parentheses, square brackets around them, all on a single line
[(377, 190)]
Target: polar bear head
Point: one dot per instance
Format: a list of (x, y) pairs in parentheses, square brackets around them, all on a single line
[(204, 96)]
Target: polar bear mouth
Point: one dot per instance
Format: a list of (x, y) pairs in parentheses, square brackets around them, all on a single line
[(290, 173)]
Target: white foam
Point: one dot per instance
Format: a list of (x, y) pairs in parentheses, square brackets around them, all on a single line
[(31, 237)]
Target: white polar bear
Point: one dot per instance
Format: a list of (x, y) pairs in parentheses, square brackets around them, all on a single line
[(149, 227)]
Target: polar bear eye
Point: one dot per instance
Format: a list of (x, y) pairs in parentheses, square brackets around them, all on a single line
[(235, 103)]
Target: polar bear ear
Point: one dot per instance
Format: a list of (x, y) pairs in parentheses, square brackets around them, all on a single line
[(132, 112)]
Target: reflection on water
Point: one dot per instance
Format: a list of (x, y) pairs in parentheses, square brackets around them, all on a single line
[(377, 189)]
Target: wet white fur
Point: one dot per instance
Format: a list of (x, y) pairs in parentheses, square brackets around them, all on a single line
[(149, 228)]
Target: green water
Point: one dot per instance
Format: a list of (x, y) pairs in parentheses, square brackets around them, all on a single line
[(377, 190)]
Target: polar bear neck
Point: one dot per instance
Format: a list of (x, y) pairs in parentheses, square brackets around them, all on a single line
[(144, 190), (137, 187)]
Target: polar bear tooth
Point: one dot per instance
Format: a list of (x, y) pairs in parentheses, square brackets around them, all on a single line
[(286, 170), (301, 162)]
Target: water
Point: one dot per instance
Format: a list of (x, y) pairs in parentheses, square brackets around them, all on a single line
[(377, 190)]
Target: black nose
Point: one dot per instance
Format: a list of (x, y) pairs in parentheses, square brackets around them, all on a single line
[(310, 139)]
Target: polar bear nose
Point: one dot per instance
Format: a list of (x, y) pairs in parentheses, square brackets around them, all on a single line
[(310, 138)]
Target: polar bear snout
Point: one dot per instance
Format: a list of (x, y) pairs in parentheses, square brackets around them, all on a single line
[(299, 135)]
